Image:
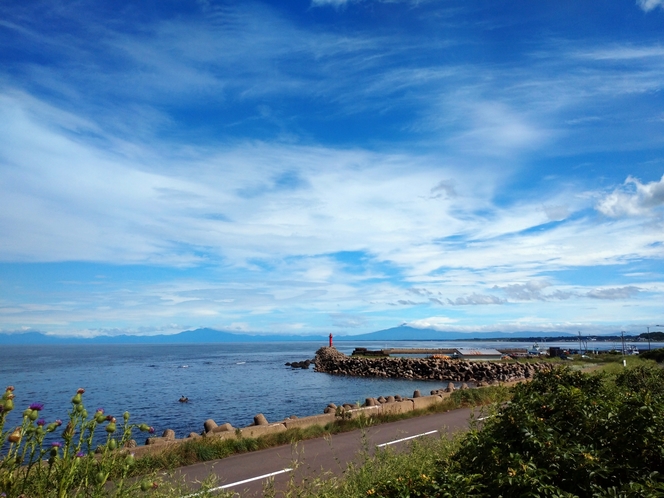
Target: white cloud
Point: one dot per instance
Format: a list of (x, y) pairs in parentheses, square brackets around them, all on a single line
[(649, 5), (633, 199)]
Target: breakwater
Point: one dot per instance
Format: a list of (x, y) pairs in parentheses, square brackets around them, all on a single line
[(329, 360)]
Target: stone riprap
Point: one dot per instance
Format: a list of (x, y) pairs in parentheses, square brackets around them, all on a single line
[(331, 361)]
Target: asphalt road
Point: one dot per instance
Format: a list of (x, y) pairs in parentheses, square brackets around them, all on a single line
[(248, 473)]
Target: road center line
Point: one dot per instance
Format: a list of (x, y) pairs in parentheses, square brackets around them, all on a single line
[(405, 439), (238, 483)]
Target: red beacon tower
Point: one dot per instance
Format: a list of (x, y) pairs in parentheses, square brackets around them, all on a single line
[(330, 340)]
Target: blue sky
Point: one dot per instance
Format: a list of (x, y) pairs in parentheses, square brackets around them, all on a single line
[(331, 166)]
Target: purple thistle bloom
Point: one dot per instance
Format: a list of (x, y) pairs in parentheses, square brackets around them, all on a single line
[(100, 410), (80, 454), (56, 444), (41, 422), (37, 406), (58, 422), (151, 430)]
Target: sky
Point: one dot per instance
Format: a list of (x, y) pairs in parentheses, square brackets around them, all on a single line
[(331, 166)]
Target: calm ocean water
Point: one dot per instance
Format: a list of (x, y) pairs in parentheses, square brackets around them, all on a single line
[(225, 382)]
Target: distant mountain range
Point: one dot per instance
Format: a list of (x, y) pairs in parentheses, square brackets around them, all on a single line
[(401, 333)]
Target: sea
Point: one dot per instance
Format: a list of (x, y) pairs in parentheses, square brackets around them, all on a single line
[(224, 382)]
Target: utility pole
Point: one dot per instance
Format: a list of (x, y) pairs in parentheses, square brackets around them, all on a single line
[(622, 334)]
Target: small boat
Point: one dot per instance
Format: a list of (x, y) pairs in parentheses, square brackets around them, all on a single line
[(535, 350), (241, 362), (183, 399)]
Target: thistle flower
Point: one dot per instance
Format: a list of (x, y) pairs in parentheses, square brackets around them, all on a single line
[(37, 406), (80, 454), (56, 444), (41, 422), (151, 430)]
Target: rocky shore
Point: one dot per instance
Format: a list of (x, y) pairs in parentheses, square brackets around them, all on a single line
[(329, 360)]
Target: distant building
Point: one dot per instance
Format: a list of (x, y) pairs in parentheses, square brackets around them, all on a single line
[(477, 354)]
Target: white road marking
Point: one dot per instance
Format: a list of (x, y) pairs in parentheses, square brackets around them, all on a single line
[(405, 439), (238, 483)]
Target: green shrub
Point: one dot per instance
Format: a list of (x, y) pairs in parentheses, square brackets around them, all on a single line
[(655, 354)]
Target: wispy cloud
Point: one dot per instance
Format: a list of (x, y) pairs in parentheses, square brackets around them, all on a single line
[(312, 170), (614, 293), (476, 299)]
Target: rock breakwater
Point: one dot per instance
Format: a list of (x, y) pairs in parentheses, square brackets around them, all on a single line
[(329, 360)]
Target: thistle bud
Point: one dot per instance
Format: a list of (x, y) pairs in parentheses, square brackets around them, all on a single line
[(125, 416), (110, 428), (15, 436), (145, 485), (101, 477), (8, 405), (112, 444), (99, 417), (144, 427), (130, 460), (78, 396), (69, 431), (34, 415)]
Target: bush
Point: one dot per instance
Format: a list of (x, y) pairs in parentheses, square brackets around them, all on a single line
[(655, 354), (564, 434)]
